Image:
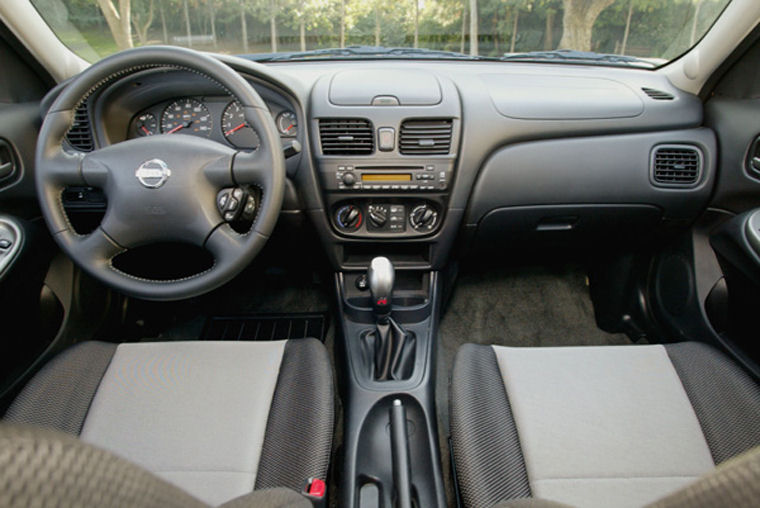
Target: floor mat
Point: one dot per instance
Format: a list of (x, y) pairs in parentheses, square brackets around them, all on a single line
[(266, 327), (522, 307)]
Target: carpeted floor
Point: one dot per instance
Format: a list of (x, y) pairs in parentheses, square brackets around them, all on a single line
[(522, 307)]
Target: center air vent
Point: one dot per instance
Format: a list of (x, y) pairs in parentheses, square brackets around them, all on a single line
[(80, 133), (676, 165), (425, 137), (346, 136), (658, 95)]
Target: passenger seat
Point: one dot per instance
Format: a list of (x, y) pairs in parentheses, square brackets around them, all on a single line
[(596, 426)]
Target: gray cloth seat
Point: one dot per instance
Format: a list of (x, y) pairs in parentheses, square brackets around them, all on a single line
[(595, 426), (216, 419), (43, 467)]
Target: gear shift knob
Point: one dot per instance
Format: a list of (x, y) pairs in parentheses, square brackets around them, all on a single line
[(381, 276)]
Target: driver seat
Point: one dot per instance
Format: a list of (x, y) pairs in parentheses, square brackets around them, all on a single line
[(216, 419)]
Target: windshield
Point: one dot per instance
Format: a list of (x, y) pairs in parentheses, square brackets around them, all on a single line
[(643, 33)]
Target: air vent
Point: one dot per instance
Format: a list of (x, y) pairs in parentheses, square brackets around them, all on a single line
[(658, 95), (425, 137), (80, 133), (346, 136), (676, 165)]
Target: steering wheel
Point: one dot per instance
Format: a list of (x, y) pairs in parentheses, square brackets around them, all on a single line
[(161, 188)]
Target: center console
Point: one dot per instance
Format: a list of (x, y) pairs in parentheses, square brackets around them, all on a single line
[(385, 146), (390, 455)]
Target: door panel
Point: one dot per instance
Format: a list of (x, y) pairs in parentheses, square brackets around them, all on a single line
[(29, 317)]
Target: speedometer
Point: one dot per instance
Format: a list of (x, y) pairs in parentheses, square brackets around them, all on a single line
[(236, 129), (186, 116)]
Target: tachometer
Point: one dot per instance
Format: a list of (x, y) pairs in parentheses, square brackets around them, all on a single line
[(146, 125), (188, 116), (287, 123), (236, 129)]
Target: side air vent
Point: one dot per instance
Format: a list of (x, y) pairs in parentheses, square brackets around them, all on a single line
[(346, 136), (80, 133), (676, 165), (658, 95), (425, 137)]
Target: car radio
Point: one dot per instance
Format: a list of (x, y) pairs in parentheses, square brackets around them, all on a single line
[(433, 176)]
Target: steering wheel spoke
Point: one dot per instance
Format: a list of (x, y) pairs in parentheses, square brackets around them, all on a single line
[(95, 250), (252, 168)]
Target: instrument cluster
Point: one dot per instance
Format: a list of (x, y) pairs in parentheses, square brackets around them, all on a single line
[(217, 118)]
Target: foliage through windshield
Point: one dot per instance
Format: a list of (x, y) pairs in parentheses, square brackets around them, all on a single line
[(657, 30)]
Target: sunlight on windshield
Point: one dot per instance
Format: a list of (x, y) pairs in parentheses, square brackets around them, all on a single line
[(653, 29)]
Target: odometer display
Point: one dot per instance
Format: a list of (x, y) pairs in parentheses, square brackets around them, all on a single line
[(186, 116), (236, 129)]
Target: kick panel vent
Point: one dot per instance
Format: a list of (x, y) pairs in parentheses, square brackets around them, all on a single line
[(658, 95), (425, 137), (80, 133), (346, 136), (676, 165)]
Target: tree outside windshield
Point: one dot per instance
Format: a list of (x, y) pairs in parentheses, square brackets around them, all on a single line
[(654, 29)]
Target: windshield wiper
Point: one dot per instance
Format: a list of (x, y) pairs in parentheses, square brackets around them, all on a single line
[(352, 52), (571, 55)]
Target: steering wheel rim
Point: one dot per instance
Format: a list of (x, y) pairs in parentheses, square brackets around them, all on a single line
[(138, 214)]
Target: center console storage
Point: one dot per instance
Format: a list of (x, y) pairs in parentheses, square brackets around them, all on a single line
[(390, 456)]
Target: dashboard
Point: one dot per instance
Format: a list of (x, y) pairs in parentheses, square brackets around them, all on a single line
[(403, 158)]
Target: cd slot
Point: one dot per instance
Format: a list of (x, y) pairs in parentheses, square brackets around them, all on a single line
[(390, 168)]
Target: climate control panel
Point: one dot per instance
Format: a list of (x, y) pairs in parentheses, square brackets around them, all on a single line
[(386, 217)]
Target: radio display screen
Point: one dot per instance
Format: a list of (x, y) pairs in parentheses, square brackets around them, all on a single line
[(386, 177)]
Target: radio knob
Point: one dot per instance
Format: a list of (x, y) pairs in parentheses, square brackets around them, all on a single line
[(349, 179)]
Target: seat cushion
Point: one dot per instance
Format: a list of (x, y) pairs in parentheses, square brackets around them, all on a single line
[(595, 426), (42, 467), (205, 416)]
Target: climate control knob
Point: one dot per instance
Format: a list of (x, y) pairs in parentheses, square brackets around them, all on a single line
[(378, 215), (349, 217), (423, 218)]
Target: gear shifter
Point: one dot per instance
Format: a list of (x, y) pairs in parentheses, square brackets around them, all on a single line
[(381, 276), (391, 347)]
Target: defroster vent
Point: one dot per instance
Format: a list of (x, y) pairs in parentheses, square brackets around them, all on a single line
[(658, 95), (676, 165), (80, 133), (425, 137), (346, 136)]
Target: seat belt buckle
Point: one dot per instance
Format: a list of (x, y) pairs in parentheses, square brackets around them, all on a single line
[(315, 491)]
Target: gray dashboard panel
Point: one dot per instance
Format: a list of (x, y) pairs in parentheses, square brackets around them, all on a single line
[(590, 170), (409, 87), (541, 97)]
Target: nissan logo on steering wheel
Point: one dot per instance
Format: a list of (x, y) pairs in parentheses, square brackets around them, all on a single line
[(153, 173)]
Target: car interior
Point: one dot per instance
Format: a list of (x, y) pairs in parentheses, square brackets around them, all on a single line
[(378, 278)]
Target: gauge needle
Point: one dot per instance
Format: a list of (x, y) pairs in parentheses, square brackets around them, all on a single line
[(289, 127), (235, 129), (146, 131), (180, 126)]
